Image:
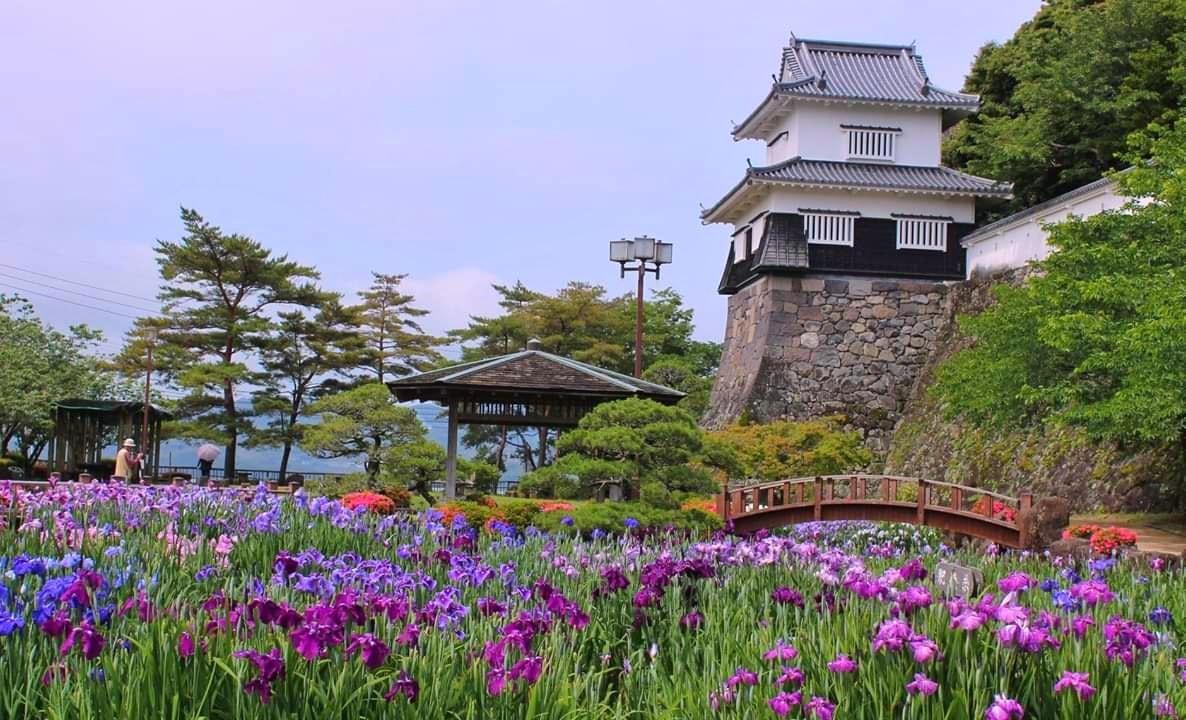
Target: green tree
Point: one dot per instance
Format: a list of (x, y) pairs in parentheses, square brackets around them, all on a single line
[(296, 359), (786, 449), (396, 343), (40, 367), (1060, 97), (416, 464), (361, 422), (634, 442), (1097, 337), (217, 293), (680, 374)]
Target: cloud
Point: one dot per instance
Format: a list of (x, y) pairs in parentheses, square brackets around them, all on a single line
[(451, 297)]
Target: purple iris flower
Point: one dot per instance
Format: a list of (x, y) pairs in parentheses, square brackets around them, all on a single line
[(185, 645), (742, 676), (1161, 616), (404, 685), (1075, 681), (1015, 582), (89, 641), (784, 702), (787, 596), (693, 620), (922, 685), (373, 650), (1004, 708), (781, 651), (790, 675), (821, 708), (842, 664), (1092, 592)]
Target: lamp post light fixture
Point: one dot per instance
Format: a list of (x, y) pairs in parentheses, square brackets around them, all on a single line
[(648, 255), (150, 338)]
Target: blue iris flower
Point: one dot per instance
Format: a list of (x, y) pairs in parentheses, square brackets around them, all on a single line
[(631, 523)]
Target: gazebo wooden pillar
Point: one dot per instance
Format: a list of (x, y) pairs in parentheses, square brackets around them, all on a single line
[(531, 388)]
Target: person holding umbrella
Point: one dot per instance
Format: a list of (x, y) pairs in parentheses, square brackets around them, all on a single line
[(207, 453)]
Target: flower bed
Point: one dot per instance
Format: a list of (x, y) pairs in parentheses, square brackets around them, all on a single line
[(185, 602), (1103, 540)]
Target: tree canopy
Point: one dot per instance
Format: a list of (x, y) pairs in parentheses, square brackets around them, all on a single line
[(1097, 337), (41, 366), (1060, 98), (362, 422)]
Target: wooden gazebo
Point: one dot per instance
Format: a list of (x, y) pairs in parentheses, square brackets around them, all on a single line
[(83, 428), (530, 388)]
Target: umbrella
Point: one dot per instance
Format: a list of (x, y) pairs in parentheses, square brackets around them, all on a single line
[(208, 452)]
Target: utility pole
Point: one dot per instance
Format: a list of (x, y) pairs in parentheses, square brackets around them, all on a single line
[(150, 336), (644, 252)]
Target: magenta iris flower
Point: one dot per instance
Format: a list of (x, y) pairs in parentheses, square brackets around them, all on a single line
[(892, 635), (1075, 681), (742, 676), (373, 650), (405, 685), (185, 645), (1092, 592), (821, 708), (923, 649), (88, 640), (1015, 582), (790, 675), (1163, 706), (1182, 666), (693, 620), (784, 702), (967, 620), (1004, 708), (787, 596), (781, 651), (922, 685), (842, 664)]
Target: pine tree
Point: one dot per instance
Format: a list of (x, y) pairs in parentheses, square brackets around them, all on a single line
[(217, 293), (396, 345)]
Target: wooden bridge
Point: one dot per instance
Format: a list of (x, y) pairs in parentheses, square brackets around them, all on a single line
[(885, 498)]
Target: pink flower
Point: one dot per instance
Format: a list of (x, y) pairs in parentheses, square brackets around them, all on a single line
[(1004, 708), (1182, 666), (742, 676), (1163, 707), (922, 685), (792, 675), (842, 664), (781, 651), (1015, 582), (968, 620), (783, 702), (892, 635), (1080, 625), (821, 708), (1075, 681), (1092, 592), (923, 648)]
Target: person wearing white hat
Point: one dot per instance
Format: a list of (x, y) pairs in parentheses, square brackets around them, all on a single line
[(126, 460)]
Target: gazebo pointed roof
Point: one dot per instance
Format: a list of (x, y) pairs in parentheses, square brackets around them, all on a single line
[(528, 372)]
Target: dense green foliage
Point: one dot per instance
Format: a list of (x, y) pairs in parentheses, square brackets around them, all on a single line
[(389, 327), (1060, 98), (646, 447), (1097, 338), (38, 366), (362, 422), (786, 449)]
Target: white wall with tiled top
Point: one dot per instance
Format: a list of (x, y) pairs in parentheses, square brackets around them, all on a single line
[(1020, 243)]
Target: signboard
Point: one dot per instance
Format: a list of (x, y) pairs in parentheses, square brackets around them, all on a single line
[(954, 579)]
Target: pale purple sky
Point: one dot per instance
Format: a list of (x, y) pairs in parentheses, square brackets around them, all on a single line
[(464, 143)]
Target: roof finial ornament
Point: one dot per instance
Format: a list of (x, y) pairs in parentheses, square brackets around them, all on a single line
[(749, 162), (534, 344), (774, 78), (822, 83)]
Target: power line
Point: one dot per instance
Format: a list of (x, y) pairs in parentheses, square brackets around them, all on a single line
[(91, 297), (76, 282), (72, 302)]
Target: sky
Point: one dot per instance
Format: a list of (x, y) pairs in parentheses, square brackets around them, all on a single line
[(463, 143)]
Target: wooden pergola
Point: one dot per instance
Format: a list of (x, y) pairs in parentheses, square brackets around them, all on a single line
[(530, 388), (83, 428)]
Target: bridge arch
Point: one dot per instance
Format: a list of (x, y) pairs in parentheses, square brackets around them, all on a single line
[(886, 498)]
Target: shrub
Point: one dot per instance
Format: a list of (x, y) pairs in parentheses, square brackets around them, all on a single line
[(784, 449), (1107, 540), (656, 495), (521, 513), (611, 517), (373, 502), (476, 515), (1083, 532)]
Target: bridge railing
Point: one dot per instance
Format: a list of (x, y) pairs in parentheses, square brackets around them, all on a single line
[(975, 504)]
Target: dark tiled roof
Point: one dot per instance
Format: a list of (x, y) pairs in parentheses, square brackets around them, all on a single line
[(1029, 212), (529, 371), (856, 71), (879, 176)]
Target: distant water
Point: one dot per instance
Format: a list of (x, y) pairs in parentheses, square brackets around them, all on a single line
[(185, 454)]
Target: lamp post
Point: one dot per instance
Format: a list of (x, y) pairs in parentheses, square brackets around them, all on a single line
[(645, 252), (150, 336)]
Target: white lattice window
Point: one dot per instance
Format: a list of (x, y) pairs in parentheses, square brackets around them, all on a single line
[(869, 143), (922, 234), (827, 228)]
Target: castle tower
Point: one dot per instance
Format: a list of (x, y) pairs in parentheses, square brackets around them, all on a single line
[(843, 242)]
